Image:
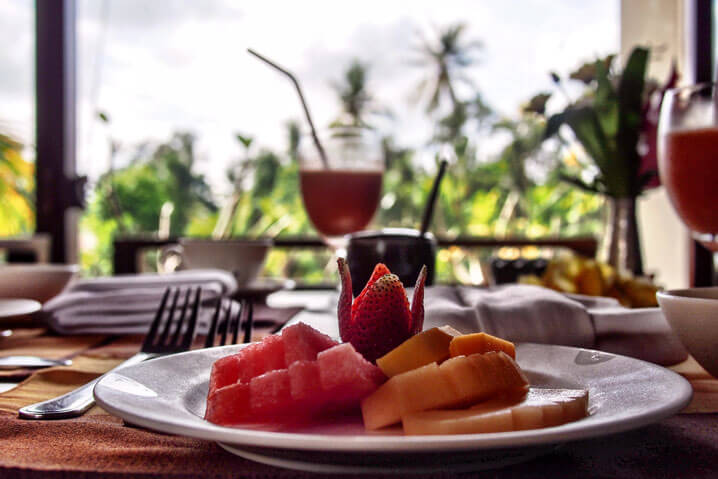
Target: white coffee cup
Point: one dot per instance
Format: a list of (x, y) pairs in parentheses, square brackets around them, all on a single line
[(244, 258)]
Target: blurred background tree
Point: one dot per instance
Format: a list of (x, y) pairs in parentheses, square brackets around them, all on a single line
[(129, 200), (17, 189), (514, 191)]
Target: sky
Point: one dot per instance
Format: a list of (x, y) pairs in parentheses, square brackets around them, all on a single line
[(161, 66)]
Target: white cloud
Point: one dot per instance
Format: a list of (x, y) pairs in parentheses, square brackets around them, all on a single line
[(171, 64)]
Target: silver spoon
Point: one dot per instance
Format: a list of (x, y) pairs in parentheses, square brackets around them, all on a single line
[(14, 362)]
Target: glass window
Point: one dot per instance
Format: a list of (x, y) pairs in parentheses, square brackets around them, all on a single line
[(177, 121), (17, 117)]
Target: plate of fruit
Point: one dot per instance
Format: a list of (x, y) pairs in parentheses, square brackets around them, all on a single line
[(389, 396)]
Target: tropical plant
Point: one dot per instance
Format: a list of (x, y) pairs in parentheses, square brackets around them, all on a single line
[(445, 62), (152, 179), (354, 98), (17, 186), (609, 121)]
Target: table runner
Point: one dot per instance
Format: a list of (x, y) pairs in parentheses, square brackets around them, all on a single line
[(99, 445)]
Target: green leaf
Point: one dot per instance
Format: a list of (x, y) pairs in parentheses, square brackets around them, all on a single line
[(553, 124), (576, 181), (587, 128), (245, 140), (630, 116)]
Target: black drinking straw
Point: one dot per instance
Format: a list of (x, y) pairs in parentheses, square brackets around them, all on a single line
[(429, 208), (317, 143)]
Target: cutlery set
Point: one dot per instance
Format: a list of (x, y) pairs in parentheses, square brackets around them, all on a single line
[(172, 331)]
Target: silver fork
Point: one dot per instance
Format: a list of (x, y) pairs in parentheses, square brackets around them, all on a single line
[(230, 322), (174, 336)]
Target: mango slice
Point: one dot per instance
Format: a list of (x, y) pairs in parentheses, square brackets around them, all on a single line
[(541, 408), (457, 382), (480, 343), (416, 390), (429, 346)]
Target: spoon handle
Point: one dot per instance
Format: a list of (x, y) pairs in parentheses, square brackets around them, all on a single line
[(13, 362)]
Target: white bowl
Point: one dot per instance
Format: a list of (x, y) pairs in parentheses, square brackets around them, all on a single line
[(243, 257), (37, 281), (693, 315)]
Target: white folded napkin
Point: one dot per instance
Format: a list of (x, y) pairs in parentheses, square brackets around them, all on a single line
[(127, 304), (539, 315)]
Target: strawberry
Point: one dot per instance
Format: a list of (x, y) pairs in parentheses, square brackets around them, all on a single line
[(380, 318), (417, 303), (379, 270)]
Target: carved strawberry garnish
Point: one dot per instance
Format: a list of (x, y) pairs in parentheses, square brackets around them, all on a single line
[(379, 319)]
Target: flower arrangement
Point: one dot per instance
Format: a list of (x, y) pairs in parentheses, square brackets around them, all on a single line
[(615, 121)]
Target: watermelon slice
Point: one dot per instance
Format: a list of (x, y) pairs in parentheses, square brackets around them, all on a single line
[(267, 382), (345, 372), (303, 343), (225, 371), (261, 357), (229, 405), (346, 377), (304, 380), (270, 396)]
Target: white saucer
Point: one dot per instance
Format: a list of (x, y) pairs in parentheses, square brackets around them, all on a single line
[(13, 308)]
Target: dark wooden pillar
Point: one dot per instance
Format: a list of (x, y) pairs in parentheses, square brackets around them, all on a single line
[(702, 271), (57, 187)]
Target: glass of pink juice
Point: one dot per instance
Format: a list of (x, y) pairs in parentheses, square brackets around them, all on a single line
[(688, 158), (343, 197)]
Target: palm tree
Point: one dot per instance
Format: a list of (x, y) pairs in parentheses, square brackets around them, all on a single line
[(353, 96), (446, 61), (356, 103)]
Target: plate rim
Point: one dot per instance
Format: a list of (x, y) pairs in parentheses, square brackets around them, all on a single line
[(407, 444)]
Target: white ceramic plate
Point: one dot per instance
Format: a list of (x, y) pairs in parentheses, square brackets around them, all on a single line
[(14, 308), (168, 395)]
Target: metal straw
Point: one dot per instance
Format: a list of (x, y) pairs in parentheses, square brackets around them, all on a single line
[(317, 143), (429, 208)]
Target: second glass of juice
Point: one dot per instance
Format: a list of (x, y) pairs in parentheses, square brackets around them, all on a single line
[(688, 158), (342, 196)]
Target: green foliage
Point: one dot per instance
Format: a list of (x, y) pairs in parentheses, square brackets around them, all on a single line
[(445, 60), (129, 200), (489, 197), (607, 122), (17, 189), (133, 196)]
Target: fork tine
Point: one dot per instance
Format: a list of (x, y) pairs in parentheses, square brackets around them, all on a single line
[(249, 321), (192, 326), (209, 342), (170, 317), (236, 321), (225, 324), (183, 315), (152, 332)]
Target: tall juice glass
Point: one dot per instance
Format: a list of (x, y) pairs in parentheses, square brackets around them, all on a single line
[(688, 158), (343, 197)]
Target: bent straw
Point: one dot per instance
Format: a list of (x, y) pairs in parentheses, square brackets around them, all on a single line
[(429, 209), (317, 143)]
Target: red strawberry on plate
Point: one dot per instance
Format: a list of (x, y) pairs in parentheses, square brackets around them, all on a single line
[(379, 319)]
